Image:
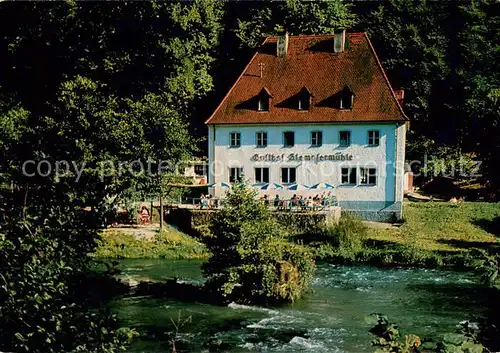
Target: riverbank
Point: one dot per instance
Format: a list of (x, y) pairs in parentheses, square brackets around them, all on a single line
[(445, 227), (132, 244), (440, 234), (433, 234)]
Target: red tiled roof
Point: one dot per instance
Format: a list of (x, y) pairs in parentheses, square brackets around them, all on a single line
[(310, 62)]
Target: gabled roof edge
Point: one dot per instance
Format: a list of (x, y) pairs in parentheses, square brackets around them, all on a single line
[(207, 122), (266, 91), (385, 77), (304, 88)]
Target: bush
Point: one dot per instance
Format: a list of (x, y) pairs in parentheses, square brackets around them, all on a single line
[(290, 276), (250, 261), (44, 296), (347, 237), (412, 255), (387, 338)]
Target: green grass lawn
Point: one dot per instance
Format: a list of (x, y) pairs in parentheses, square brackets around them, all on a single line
[(169, 244), (441, 226)]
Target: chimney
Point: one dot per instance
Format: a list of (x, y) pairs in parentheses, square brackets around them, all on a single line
[(400, 96), (339, 41), (282, 45)]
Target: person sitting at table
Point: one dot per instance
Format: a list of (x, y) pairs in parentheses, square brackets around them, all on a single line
[(324, 200), (203, 202), (266, 200), (294, 200), (302, 202), (309, 203), (276, 201), (144, 215)]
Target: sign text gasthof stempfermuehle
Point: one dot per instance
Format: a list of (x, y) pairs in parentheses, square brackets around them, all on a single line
[(295, 157)]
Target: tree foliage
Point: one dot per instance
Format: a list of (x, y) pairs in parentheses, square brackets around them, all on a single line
[(250, 260), (444, 54), (296, 17), (429, 159), (98, 86), (480, 80), (410, 37)]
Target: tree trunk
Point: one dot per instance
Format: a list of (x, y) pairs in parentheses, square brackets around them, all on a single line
[(161, 213)]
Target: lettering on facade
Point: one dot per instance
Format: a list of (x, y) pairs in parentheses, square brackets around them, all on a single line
[(295, 157)]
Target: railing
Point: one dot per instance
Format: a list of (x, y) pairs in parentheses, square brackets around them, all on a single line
[(291, 205)]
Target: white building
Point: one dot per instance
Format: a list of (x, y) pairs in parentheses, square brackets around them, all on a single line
[(314, 109), (197, 169)]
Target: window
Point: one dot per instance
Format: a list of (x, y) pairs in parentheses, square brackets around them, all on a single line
[(368, 176), (316, 138), (288, 175), (288, 139), (346, 101), (200, 169), (263, 100), (235, 139), (261, 175), (235, 174), (348, 176), (263, 105), (345, 138), (261, 138), (373, 138), (303, 99)]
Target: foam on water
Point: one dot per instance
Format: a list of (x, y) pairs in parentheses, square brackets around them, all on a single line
[(360, 289), (188, 281), (262, 323), (304, 342), (236, 306)]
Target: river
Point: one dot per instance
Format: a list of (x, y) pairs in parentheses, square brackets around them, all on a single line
[(330, 319)]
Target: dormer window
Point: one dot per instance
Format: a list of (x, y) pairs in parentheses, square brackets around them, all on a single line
[(346, 102), (264, 100), (304, 99), (346, 99), (263, 105)]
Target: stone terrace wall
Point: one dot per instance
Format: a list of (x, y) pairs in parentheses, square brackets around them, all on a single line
[(189, 220)]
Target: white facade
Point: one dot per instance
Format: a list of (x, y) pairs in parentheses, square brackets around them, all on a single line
[(196, 169), (314, 165)]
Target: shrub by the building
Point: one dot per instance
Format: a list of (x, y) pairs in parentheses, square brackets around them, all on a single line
[(250, 261), (348, 236)]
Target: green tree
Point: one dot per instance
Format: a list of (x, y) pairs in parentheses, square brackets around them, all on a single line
[(296, 17), (479, 78), (98, 85), (411, 39), (250, 259)]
